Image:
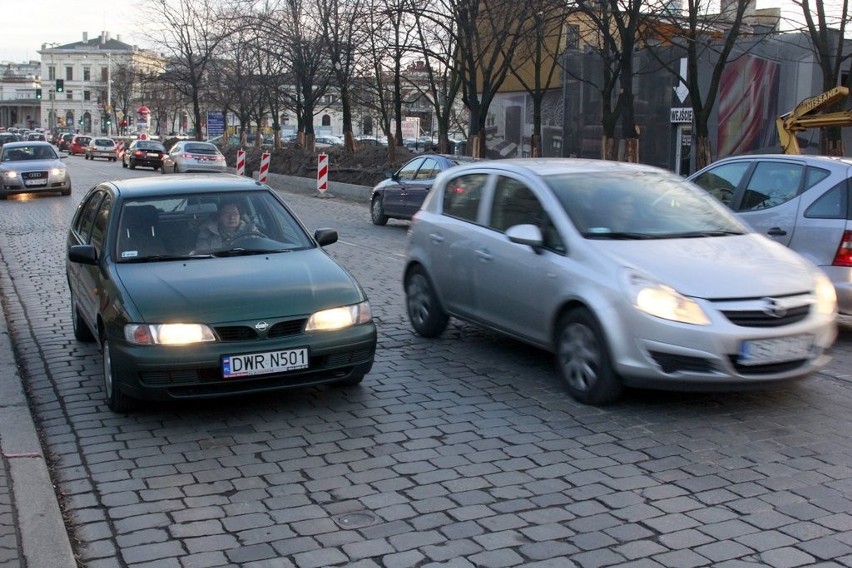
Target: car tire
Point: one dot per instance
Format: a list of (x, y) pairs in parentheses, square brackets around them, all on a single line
[(163, 169), (425, 313), (583, 359), (81, 330), (116, 400), (132, 166), (123, 164), (377, 211), (65, 192)]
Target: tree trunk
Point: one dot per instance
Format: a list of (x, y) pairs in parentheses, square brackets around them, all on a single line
[(609, 150), (631, 150), (535, 146), (703, 155)]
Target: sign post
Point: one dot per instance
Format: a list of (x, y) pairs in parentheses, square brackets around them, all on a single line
[(322, 173)]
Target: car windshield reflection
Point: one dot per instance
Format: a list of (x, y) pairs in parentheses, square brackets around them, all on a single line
[(206, 226)]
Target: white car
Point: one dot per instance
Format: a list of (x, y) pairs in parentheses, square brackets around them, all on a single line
[(193, 156), (630, 274)]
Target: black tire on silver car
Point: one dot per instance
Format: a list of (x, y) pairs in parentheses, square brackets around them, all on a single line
[(116, 400), (427, 316), (377, 211), (81, 330), (583, 359), (123, 163)]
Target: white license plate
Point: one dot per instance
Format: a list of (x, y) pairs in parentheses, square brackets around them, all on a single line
[(777, 350), (265, 363), (32, 182)]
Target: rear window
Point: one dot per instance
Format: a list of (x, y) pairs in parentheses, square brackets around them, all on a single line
[(104, 142), (201, 148)]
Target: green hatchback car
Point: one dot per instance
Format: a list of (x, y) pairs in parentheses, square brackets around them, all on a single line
[(199, 286)]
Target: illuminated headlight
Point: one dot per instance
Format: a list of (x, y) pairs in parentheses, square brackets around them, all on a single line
[(11, 174), (339, 318), (826, 295), (58, 172), (658, 300), (167, 333)]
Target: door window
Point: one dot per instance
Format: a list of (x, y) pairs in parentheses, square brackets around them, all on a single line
[(722, 181), (99, 226), (429, 169), (832, 204), (462, 196), (409, 170), (515, 204), (771, 184), (86, 221)]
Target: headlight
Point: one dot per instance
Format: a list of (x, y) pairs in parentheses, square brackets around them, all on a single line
[(59, 172), (339, 318), (11, 174), (658, 300), (826, 295), (167, 333)]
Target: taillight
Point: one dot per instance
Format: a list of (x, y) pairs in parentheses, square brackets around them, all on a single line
[(137, 153), (844, 251)]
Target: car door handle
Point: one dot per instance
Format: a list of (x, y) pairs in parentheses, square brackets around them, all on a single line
[(776, 232), (484, 255), (436, 238)]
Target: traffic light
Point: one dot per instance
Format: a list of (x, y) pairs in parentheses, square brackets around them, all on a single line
[(38, 93), (109, 121), (60, 85)]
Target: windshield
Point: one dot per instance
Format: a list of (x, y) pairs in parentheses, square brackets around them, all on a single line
[(207, 225), (21, 153), (631, 205)]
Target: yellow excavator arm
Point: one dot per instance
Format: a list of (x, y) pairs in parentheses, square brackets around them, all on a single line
[(804, 116)]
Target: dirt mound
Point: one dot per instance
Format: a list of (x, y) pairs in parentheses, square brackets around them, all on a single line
[(367, 166)]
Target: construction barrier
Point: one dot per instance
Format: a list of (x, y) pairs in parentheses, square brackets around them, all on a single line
[(264, 167), (241, 162), (322, 173)]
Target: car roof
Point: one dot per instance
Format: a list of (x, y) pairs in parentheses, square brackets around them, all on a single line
[(27, 144), (184, 184), (552, 166), (792, 157)]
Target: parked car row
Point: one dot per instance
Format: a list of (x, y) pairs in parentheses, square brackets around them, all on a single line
[(184, 156)]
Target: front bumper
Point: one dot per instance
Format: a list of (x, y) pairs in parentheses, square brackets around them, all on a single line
[(195, 372)]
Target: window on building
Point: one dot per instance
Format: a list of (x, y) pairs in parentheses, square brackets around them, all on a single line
[(51, 73), (326, 120), (69, 73), (69, 95), (572, 36), (87, 95), (104, 74), (87, 74)]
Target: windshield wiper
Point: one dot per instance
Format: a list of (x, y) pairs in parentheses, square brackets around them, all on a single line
[(161, 257), (698, 234), (246, 252), (620, 236)]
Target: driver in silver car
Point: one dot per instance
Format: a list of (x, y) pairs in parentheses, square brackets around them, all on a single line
[(219, 231)]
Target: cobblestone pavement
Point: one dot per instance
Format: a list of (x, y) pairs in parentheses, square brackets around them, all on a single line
[(10, 553), (461, 452)]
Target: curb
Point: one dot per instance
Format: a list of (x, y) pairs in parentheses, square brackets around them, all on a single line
[(44, 539)]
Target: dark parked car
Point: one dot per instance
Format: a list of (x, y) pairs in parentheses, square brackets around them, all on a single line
[(402, 194), (260, 308), (64, 142), (144, 153), (32, 167), (803, 202)]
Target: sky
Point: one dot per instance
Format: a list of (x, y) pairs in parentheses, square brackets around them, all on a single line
[(64, 21)]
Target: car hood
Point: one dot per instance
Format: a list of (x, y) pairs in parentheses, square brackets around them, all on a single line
[(716, 267), (221, 290), (30, 165)]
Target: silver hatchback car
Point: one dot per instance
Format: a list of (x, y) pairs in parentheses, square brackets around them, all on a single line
[(192, 156), (628, 273), (803, 202)]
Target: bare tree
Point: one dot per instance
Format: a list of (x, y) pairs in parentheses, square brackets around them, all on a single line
[(825, 23), (438, 48), (539, 54), (191, 33), (486, 30), (344, 24)]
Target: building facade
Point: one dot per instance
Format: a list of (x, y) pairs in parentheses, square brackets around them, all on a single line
[(19, 104)]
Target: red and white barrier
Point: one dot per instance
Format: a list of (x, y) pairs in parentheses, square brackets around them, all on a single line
[(322, 173), (241, 162), (264, 167)]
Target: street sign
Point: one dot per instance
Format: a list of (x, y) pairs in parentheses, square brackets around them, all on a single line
[(215, 124), (681, 115)]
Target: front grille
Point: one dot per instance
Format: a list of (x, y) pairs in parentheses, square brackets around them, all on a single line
[(236, 333), (247, 333), (757, 318), (286, 328), (34, 175), (768, 369)]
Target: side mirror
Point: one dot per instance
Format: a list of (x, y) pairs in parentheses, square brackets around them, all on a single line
[(83, 254), (325, 236), (529, 235)]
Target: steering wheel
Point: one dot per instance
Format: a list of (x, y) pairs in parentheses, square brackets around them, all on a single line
[(245, 236)]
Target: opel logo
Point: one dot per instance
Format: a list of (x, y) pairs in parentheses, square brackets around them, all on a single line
[(261, 326), (773, 308)]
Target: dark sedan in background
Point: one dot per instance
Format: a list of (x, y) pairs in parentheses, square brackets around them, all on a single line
[(402, 194), (262, 307), (144, 154)]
